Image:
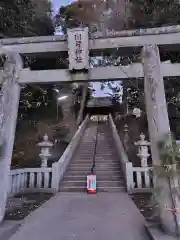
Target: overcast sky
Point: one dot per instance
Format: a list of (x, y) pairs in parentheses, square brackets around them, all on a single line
[(58, 3)]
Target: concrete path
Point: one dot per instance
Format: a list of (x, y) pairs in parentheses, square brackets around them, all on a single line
[(107, 216)]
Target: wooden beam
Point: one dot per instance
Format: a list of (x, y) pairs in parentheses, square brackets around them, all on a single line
[(95, 74)]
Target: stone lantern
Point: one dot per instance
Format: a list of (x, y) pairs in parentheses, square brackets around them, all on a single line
[(45, 146), (143, 150), (126, 136)]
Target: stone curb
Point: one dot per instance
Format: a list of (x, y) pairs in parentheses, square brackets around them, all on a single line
[(156, 234)]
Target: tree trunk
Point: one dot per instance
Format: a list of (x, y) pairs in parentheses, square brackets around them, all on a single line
[(82, 105), (68, 114), (125, 97)]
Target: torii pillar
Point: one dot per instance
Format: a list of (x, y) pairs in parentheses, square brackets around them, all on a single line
[(158, 125), (9, 104)]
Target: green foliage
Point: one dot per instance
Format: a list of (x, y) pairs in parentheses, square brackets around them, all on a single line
[(67, 17), (167, 171), (167, 150), (139, 13), (78, 93), (166, 177), (36, 100), (25, 18), (169, 154), (153, 13)]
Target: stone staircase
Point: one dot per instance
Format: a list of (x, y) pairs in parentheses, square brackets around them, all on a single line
[(97, 140), (108, 169)]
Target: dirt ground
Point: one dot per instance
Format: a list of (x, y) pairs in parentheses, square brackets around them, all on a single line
[(28, 203), (146, 206)]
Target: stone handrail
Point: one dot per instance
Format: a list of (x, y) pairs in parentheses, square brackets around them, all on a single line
[(140, 173), (125, 163), (132, 185), (59, 168), (119, 146), (29, 178)]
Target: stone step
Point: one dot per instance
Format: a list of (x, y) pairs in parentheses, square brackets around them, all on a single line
[(97, 167), (110, 183), (99, 183), (82, 159), (99, 178), (87, 158), (89, 163), (98, 171), (111, 189), (108, 162), (75, 173), (102, 155), (109, 156), (84, 189), (86, 147), (96, 161), (107, 167), (74, 183), (73, 189), (107, 175), (97, 164), (105, 149), (83, 149), (85, 154), (88, 143)]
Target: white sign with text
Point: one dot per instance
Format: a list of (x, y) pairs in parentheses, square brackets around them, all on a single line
[(78, 48)]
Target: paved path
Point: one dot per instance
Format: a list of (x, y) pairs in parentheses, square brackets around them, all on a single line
[(80, 216)]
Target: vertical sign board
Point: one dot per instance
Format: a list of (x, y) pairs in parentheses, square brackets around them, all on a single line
[(78, 48), (91, 183)]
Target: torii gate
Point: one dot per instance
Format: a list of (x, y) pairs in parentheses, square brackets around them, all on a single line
[(78, 45)]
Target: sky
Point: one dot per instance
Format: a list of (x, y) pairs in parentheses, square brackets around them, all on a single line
[(96, 86), (58, 3)]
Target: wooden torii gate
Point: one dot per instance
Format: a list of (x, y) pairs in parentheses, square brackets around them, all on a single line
[(78, 44)]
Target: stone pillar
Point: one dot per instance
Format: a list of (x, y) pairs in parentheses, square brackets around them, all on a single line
[(9, 104), (158, 124), (156, 109)]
